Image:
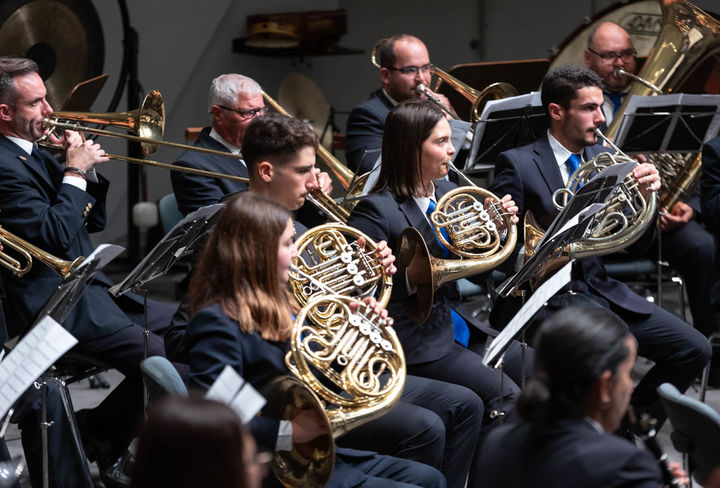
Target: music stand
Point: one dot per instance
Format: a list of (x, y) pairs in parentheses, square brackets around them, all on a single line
[(177, 243), (669, 123), (505, 124)]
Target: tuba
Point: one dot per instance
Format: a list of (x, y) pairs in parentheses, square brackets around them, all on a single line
[(349, 366), (688, 36), (327, 262), (625, 217)]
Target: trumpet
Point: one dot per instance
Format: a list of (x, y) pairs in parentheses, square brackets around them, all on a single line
[(28, 251)]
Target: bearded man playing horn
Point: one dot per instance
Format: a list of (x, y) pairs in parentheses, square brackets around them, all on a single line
[(686, 245), (572, 98)]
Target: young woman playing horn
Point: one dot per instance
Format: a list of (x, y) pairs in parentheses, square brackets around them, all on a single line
[(242, 316)]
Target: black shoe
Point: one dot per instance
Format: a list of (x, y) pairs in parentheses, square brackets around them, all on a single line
[(97, 450), (118, 475)]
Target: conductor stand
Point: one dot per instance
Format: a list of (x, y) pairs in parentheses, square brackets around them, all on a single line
[(176, 244), (678, 123)]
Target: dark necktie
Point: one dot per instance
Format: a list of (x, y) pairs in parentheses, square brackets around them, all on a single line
[(40, 162), (461, 332)]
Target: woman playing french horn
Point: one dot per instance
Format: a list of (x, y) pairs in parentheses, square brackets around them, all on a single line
[(243, 317), (416, 153)]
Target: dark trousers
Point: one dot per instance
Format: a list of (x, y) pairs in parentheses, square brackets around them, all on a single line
[(679, 351), (117, 417), (380, 471), (691, 250), (435, 423)]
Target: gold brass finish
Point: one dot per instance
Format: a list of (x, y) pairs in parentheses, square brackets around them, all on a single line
[(28, 252), (326, 256), (688, 36), (680, 173)]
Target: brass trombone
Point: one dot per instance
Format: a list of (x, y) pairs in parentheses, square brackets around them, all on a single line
[(478, 98), (28, 251)]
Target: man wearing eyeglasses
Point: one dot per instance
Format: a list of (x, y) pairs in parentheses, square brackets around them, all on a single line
[(405, 64), (234, 101), (686, 245), (610, 48)]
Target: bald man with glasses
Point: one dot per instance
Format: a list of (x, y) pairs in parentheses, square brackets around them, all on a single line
[(405, 64)]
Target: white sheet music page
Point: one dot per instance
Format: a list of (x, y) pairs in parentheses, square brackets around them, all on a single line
[(32, 356), (230, 388), (534, 303)]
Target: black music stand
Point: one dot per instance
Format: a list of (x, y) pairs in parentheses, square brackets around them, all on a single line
[(669, 123), (570, 225), (505, 124), (177, 243)]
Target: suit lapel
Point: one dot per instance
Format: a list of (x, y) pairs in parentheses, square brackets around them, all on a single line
[(31, 164), (416, 218), (544, 159)]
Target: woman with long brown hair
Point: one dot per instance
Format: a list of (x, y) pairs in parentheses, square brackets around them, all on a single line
[(242, 316)]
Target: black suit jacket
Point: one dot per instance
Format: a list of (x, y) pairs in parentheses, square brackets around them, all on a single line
[(381, 216), (568, 453), (56, 217), (195, 191), (710, 199), (531, 175), (365, 128)]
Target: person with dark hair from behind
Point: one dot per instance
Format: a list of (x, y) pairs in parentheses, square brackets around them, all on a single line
[(581, 390), (188, 442)]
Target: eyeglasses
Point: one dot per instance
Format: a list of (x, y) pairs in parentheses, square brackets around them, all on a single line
[(245, 114), (411, 70), (626, 55)]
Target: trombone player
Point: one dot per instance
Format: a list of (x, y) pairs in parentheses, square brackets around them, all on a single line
[(55, 206), (405, 64)]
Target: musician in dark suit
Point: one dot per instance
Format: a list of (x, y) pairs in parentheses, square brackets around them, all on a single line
[(54, 206), (405, 64), (434, 422), (710, 197), (581, 390), (417, 147), (572, 97), (686, 245), (243, 318)]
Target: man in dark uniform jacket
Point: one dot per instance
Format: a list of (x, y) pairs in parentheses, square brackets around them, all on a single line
[(686, 245), (405, 64), (572, 98), (54, 207)]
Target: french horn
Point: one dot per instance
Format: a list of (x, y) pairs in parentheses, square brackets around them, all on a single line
[(329, 262), (346, 365)]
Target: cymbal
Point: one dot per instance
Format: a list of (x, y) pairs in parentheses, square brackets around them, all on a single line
[(63, 36), (300, 96)]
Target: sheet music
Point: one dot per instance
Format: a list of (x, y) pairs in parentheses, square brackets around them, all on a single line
[(230, 388), (531, 99), (32, 356), (534, 303), (104, 253)]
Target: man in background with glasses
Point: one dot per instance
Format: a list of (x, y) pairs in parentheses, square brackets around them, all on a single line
[(405, 64), (686, 245), (233, 102), (610, 48)]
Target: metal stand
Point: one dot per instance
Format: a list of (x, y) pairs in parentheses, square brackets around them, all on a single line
[(44, 426), (499, 414)]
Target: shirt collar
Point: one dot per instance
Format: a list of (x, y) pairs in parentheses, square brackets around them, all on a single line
[(392, 100), (230, 147), (561, 152), (24, 144), (424, 202), (595, 424)]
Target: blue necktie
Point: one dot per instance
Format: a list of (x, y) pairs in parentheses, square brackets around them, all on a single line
[(461, 332), (573, 163), (616, 99)]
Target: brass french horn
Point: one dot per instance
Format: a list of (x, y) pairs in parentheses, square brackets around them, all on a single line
[(328, 262)]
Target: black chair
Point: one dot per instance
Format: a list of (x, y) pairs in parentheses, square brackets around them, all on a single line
[(696, 431)]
